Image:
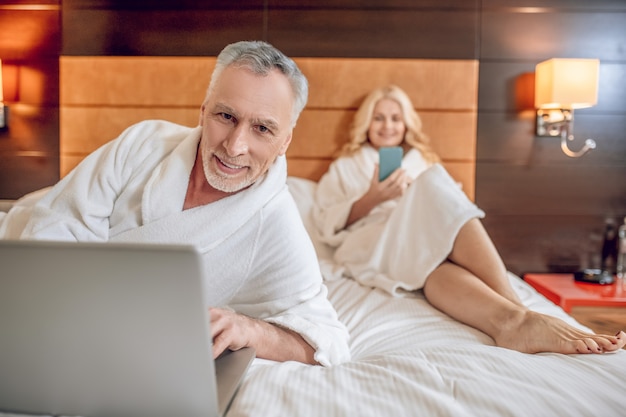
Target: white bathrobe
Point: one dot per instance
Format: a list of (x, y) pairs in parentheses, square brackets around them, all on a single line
[(258, 257), (400, 242)]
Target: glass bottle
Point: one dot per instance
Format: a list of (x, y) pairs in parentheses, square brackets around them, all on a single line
[(609, 246), (621, 251)]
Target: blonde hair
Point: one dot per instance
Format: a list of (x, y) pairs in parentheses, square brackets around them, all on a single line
[(413, 137)]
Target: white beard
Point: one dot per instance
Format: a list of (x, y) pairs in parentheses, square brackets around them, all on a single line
[(222, 182)]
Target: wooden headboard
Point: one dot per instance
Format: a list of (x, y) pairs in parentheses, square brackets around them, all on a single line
[(101, 96)]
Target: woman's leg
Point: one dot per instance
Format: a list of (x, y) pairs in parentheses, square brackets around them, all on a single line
[(473, 250), (459, 293)]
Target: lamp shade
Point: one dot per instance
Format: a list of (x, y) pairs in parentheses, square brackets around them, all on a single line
[(566, 83)]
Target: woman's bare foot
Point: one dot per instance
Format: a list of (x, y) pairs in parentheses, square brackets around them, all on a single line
[(532, 332)]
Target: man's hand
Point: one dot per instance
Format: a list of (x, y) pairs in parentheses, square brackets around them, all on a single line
[(233, 331), (229, 330)]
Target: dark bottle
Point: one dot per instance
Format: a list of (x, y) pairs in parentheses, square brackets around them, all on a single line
[(621, 251), (609, 247)]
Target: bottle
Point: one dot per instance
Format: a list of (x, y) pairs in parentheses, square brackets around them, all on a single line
[(609, 247), (621, 251)]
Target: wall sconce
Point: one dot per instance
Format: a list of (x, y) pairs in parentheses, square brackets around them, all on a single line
[(562, 85), (4, 110)]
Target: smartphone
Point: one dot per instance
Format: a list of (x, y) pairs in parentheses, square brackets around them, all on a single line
[(390, 159)]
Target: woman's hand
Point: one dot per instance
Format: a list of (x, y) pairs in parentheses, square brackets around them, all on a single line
[(392, 187)]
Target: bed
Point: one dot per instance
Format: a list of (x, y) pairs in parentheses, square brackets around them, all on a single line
[(410, 359), (407, 357)]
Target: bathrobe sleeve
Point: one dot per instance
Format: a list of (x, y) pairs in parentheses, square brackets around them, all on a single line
[(346, 180), (80, 206), (286, 285)]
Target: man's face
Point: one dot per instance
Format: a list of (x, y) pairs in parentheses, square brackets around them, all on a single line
[(246, 125)]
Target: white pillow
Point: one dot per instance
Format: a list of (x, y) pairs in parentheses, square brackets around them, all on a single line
[(303, 192)]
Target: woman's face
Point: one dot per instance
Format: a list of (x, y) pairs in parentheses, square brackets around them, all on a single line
[(387, 127)]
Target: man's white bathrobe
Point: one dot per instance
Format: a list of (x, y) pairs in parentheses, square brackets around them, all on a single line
[(258, 257), (400, 242)]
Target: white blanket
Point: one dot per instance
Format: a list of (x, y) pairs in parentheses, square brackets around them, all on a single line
[(400, 242)]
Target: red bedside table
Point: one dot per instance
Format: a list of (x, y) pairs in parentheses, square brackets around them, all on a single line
[(563, 291)]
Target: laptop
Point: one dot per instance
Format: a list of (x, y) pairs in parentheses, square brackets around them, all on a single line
[(106, 329)]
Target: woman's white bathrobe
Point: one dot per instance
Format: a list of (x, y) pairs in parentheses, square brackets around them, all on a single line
[(258, 257), (400, 242)]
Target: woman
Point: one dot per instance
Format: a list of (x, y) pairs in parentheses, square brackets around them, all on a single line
[(417, 230)]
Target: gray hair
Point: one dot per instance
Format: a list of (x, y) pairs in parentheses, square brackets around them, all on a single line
[(261, 58)]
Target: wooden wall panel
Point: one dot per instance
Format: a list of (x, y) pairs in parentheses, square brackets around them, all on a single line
[(531, 6), (29, 31), (449, 133), (308, 168), (551, 33), (33, 130), (83, 129), (374, 33), (375, 4), (314, 139), (23, 172), (345, 82), (509, 138), (157, 32), (163, 5), (119, 81), (554, 243), (30, 40), (581, 190)]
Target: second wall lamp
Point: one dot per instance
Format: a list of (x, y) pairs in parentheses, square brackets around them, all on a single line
[(562, 85)]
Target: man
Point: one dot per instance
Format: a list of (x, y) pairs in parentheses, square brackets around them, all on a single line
[(222, 187)]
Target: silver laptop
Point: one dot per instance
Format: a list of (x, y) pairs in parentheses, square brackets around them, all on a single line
[(103, 329)]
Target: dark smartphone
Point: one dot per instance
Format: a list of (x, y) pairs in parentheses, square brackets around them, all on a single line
[(594, 276), (390, 159)]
